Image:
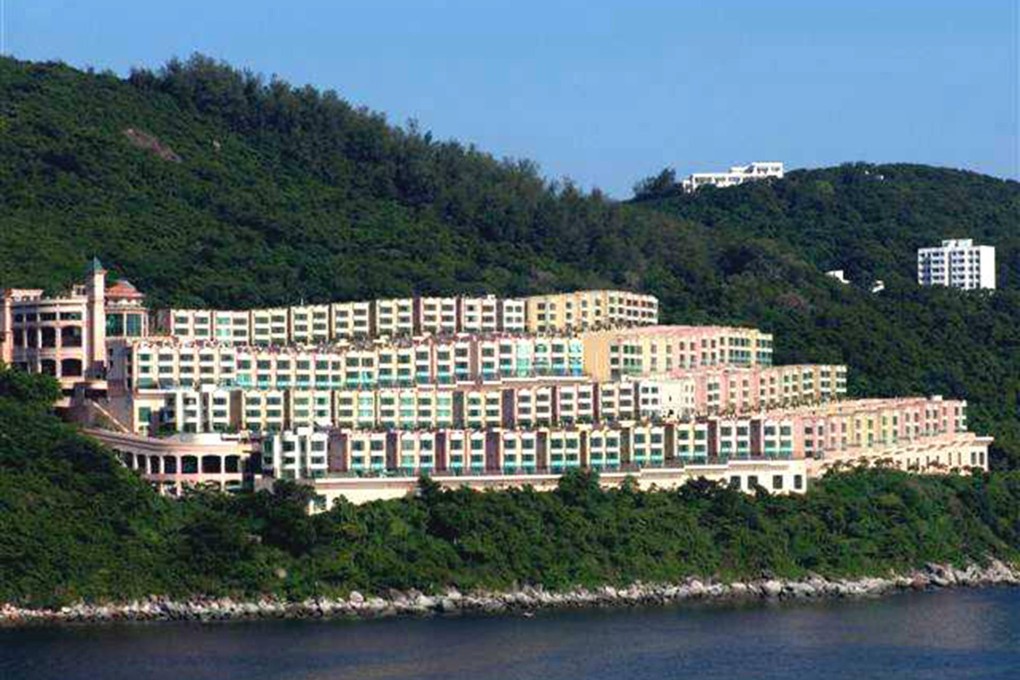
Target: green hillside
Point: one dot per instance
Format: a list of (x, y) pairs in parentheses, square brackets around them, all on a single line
[(205, 185), (867, 220)]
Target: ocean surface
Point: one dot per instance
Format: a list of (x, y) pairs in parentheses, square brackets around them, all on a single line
[(934, 635)]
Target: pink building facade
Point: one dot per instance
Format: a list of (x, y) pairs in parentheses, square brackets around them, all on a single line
[(839, 429), (730, 389), (66, 336)]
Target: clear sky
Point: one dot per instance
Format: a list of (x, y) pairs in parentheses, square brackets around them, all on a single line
[(606, 92)]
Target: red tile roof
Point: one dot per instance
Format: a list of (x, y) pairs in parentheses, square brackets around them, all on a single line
[(123, 289)]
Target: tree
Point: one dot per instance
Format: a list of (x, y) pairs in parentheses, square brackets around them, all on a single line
[(657, 186), (29, 389)]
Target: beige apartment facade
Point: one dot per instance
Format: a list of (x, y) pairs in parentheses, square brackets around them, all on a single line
[(610, 354), (590, 309), (410, 316)]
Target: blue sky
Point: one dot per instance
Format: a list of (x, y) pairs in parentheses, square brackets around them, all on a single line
[(607, 92)]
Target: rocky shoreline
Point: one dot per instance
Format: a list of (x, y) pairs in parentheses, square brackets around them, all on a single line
[(527, 599)]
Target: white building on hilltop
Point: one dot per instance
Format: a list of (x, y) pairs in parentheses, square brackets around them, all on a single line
[(839, 275), (957, 263), (738, 174)]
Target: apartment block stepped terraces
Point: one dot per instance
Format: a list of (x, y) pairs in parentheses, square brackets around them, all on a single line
[(359, 398), (320, 324)]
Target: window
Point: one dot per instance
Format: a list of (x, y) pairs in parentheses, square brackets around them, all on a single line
[(115, 325), (133, 325)]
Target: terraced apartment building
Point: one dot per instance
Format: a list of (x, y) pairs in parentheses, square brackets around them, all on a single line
[(931, 426), (359, 398)]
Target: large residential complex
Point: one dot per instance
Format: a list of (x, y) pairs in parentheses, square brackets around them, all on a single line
[(957, 263), (488, 447), (541, 401), (738, 174), (359, 399)]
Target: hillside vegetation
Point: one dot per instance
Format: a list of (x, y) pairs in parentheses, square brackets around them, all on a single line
[(210, 186), (867, 220), (75, 524)]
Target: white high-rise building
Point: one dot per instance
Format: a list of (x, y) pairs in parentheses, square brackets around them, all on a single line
[(738, 174), (957, 263)]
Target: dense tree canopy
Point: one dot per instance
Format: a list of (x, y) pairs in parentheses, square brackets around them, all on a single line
[(867, 220)]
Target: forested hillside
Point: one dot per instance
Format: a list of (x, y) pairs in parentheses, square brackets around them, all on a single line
[(867, 220), (206, 185)]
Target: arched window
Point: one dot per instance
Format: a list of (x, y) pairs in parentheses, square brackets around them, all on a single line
[(70, 336)]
